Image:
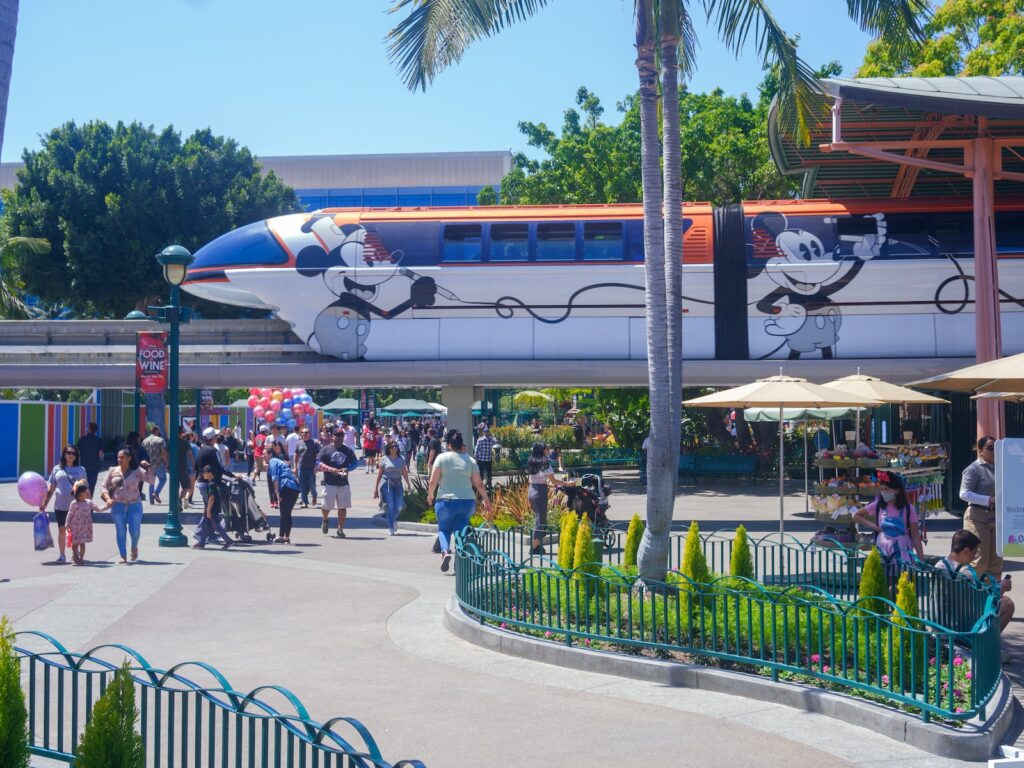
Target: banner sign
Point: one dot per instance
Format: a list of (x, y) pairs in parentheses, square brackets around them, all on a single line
[(1009, 457), (206, 396), (151, 362)]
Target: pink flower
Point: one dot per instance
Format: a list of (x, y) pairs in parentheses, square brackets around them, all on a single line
[(968, 674), (957, 693), (815, 658), (959, 709), (826, 669), (503, 625), (547, 634), (931, 660), (885, 679), (957, 661), (586, 641)]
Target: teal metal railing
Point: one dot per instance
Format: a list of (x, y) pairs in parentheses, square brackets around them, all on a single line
[(944, 663), (184, 723)]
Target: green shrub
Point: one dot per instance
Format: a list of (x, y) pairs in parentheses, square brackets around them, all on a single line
[(558, 437), (905, 655), (741, 563), (873, 583), (695, 565), (567, 541), (513, 439), (633, 536), (13, 716), (110, 739), (584, 559)]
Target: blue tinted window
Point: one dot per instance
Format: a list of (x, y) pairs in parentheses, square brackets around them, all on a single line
[(462, 242), (449, 199), (510, 242), (635, 240), (313, 202), (346, 201), (602, 241), (384, 200), (556, 241), (251, 244), (413, 200), (907, 235), (954, 233), (1010, 232)]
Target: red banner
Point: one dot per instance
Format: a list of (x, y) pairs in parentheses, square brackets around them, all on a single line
[(151, 362)]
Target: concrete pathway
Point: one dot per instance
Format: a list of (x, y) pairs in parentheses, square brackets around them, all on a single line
[(354, 627)]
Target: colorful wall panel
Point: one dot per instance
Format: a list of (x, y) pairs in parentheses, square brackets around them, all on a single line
[(9, 413)]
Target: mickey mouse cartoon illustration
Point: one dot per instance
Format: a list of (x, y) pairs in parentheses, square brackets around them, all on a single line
[(342, 327), (801, 308)]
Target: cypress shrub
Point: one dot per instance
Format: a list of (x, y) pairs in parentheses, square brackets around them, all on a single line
[(567, 540), (873, 583), (695, 565), (13, 715), (110, 740), (905, 655), (584, 560), (741, 563), (633, 536)]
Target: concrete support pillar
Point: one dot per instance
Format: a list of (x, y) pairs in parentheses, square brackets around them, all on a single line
[(988, 336), (459, 402)]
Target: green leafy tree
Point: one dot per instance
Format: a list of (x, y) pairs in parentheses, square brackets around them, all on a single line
[(585, 560), (906, 651), (13, 715), (626, 410), (695, 565), (873, 583), (633, 536), (108, 198), (962, 37), (110, 739), (435, 34), (567, 541), (741, 562), (487, 196)]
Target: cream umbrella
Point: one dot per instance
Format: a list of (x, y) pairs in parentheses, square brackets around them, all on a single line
[(1015, 397), (1003, 375), (882, 391), (531, 397), (781, 392)]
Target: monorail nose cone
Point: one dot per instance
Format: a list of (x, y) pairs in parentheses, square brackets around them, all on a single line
[(220, 266)]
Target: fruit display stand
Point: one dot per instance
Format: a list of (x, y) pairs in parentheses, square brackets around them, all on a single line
[(923, 469)]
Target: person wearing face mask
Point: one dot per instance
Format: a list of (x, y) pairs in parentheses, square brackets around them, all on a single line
[(894, 519), (978, 489)]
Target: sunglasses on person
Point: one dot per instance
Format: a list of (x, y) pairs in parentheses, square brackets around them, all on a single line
[(70, 453)]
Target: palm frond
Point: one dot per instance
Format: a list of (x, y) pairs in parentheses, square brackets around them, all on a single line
[(436, 33), (11, 303), (800, 92), (16, 246), (899, 22), (688, 43)]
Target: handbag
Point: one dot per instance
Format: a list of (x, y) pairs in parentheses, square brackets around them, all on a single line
[(41, 531)]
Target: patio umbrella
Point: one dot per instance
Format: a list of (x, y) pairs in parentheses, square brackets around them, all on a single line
[(780, 392), (407, 404), (1003, 375), (1014, 397), (342, 405), (882, 391)]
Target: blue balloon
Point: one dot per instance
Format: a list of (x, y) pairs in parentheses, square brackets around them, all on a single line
[(291, 423), (280, 421), (286, 403)]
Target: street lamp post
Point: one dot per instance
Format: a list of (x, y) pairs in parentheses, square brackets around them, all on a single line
[(174, 259)]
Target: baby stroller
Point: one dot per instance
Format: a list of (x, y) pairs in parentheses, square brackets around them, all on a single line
[(242, 514), (590, 498)]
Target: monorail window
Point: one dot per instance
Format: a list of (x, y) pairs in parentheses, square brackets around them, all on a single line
[(1010, 232), (556, 241), (602, 241), (954, 233), (908, 235), (462, 242), (510, 242)]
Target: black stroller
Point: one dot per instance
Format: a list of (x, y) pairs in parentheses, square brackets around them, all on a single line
[(590, 498), (242, 514)]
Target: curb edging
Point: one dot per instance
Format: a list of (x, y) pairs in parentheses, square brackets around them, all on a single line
[(976, 745)]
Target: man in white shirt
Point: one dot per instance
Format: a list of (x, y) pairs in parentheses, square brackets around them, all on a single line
[(290, 442), (351, 436)]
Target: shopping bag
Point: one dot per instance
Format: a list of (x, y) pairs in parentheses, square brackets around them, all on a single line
[(41, 531), (69, 538)]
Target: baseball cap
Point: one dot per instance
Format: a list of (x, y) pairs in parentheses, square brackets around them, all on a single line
[(264, 429), (338, 431), (208, 433)]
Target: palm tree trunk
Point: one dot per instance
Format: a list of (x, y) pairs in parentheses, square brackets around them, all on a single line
[(670, 32), (8, 30), (652, 557)]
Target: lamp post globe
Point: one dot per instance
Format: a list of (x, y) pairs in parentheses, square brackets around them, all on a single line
[(174, 259)]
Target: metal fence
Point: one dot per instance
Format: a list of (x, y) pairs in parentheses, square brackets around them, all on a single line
[(801, 617), (183, 722)]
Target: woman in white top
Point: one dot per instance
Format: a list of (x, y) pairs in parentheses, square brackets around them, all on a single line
[(541, 476)]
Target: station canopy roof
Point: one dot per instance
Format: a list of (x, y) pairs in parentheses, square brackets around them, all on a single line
[(903, 109)]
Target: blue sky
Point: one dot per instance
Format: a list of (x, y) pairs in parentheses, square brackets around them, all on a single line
[(312, 77)]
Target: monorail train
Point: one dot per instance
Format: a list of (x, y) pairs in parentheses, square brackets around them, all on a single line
[(762, 280)]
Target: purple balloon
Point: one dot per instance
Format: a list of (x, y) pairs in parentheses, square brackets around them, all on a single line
[(32, 488)]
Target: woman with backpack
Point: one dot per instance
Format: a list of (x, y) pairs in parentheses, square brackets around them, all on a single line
[(894, 519)]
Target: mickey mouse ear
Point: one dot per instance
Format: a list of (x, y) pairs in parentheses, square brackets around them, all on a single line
[(772, 223)]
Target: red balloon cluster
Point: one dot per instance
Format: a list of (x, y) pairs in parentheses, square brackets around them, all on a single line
[(288, 406)]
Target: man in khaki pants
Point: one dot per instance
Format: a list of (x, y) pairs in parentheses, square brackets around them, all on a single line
[(978, 489)]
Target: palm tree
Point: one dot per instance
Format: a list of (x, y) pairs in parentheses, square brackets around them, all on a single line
[(11, 250), (436, 33), (8, 30)]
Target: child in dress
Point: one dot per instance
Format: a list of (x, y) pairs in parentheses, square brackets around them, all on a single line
[(80, 520)]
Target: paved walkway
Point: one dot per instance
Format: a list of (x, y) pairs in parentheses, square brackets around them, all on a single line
[(354, 627)]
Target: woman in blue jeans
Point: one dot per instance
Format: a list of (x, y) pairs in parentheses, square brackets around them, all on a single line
[(453, 478), (392, 470), (122, 488)]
